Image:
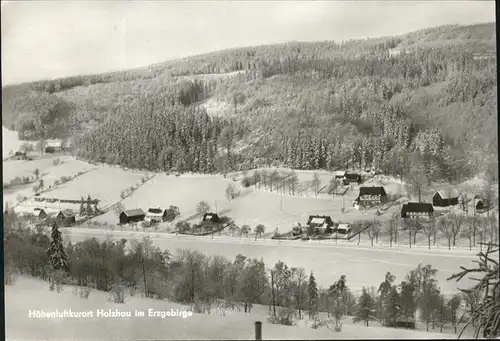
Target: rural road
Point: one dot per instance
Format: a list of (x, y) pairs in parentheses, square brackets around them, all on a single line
[(363, 265)]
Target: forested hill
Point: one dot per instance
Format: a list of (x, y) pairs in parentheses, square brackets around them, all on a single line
[(429, 96)]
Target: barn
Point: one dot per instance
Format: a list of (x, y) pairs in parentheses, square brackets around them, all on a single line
[(445, 198), (350, 178), (66, 218), (417, 210), (132, 216), (372, 195), (156, 215), (339, 174), (53, 146)]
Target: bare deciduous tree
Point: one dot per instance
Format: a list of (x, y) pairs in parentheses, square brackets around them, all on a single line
[(445, 227), (202, 207)]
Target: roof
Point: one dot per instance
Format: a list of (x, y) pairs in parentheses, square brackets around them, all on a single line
[(343, 227), (67, 213), (372, 191), (417, 207), (155, 212), (352, 176), (134, 212), (53, 143), (339, 173), (317, 220), (448, 194), (320, 220)]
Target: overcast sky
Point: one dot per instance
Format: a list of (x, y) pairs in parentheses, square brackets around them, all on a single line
[(49, 39)]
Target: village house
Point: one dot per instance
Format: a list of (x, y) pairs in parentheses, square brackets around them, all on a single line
[(210, 220), (20, 156), (40, 214), (319, 222), (343, 231), (53, 146), (482, 204), (66, 218), (417, 210), (132, 216), (350, 178), (157, 215), (371, 196), (445, 198), (339, 175)]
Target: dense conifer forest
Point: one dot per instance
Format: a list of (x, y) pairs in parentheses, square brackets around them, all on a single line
[(376, 103)]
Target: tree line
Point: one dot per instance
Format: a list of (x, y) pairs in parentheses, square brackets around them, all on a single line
[(135, 267)]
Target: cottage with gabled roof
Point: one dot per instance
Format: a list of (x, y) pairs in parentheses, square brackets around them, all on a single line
[(132, 216), (66, 218), (445, 198), (156, 215), (372, 195), (40, 213), (210, 220), (320, 221), (417, 210), (211, 217)]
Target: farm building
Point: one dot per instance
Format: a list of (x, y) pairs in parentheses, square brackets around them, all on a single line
[(372, 195), (132, 216), (20, 156), (482, 204), (417, 210), (445, 198), (53, 146), (210, 219), (343, 231), (40, 213), (156, 215), (66, 218), (320, 221), (350, 178), (339, 174)]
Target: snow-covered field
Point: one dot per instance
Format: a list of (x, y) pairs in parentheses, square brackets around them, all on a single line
[(363, 265), (252, 207), (10, 141), (104, 183), (31, 294)]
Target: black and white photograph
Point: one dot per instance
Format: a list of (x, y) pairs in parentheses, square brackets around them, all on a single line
[(249, 170)]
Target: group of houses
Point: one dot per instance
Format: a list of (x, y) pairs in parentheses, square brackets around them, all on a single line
[(158, 215), (376, 195), (64, 217), (322, 224)]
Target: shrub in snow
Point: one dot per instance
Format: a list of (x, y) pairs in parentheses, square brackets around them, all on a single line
[(10, 275), (85, 292), (57, 280), (284, 317), (117, 293)]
